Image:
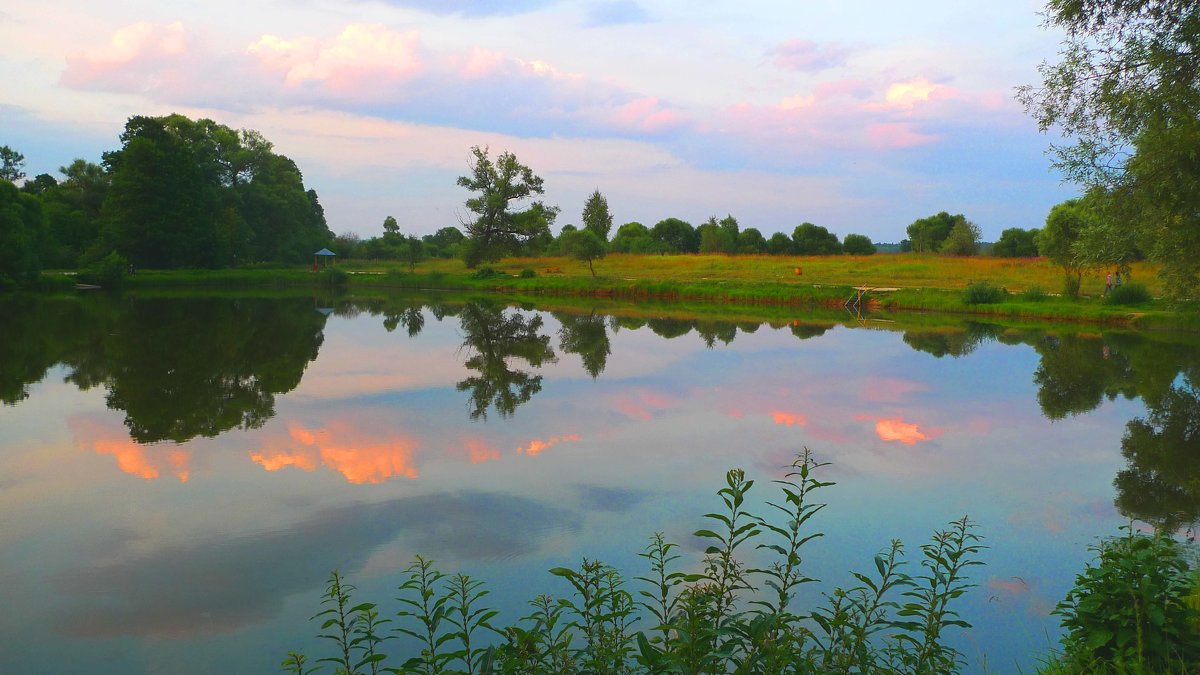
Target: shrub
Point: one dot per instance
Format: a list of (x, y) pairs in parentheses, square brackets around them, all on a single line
[(1127, 294), (1129, 612), (484, 273), (108, 271), (1033, 294), (337, 276), (983, 293), (528, 273)]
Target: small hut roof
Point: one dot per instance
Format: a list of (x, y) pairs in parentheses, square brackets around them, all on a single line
[(324, 251)]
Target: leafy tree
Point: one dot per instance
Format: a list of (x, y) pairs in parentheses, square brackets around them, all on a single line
[(596, 216), (586, 336), (1125, 91), (412, 251), (675, 236), (750, 240), (812, 239), (39, 184), (495, 341), (905, 246), (963, 239), (1015, 242), (584, 246), (20, 235), (347, 245), (716, 239), (1065, 223), (12, 164), (390, 227), (780, 244), (730, 225), (858, 244), (1161, 484), (498, 186), (927, 234), (443, 243), (632, 237)]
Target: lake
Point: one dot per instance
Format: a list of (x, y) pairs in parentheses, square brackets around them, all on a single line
[(180, 473)]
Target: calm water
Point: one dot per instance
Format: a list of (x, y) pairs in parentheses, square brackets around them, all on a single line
[(178, 475)]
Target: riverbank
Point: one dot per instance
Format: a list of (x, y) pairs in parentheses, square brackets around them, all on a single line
[(883, 283)]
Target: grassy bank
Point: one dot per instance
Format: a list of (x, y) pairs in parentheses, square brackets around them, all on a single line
[(904, 282)]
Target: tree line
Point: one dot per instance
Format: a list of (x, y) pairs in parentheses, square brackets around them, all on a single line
[(179, 193)]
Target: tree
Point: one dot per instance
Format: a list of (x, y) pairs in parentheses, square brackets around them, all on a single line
[(495, 341), (1015, 242), (1126, 92), (927, 234), (584, 246), (443, 243), (812, 239), (963, 239), (498, 186), (1064, 224), (780, 244), (12, 164), (390, 228), (596, 216), (858, 244), (750, 240), (20, 235), (412, 251), (716, 239), (632, 237), (586, 336), (675, 236)]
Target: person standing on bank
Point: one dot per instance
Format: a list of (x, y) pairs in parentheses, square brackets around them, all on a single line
[(1108, 283)]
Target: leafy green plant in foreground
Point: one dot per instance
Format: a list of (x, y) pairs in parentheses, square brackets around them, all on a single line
[(735, 613)]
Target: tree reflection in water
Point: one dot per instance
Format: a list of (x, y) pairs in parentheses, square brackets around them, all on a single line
[(1161, 485), (493, 337)]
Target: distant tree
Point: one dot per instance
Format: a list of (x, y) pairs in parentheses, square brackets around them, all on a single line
[(905, 246), (1065, 223), (39, 184), (858, 244), (412, 251), (443, 243), (584, 246), (390, 227), (812, 239), (716, 239), (497, 187), (780, 244), (750, 240), (730, 225), (346, 245), (629, 237), (963, 239), (596, 216), (675, 236), (12, 164), (1015, 242), (20, 235), (927, 234)]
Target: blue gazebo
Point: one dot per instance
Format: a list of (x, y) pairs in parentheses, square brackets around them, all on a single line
[(323, 253)]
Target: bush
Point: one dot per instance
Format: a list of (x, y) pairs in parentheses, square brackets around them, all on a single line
[(984, 293), (1127, 294), (336, 276), (1071, 286), (528, 273), (485, 273), (108, 271), (1129, 612), (1034, 294)]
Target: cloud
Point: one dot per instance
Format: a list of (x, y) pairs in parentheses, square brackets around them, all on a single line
[(480, 451), (217, 585), (536, 446), (807, 56), (474, 8), (137, 57), (788, 419), (889, 389), (362, 57), (642, 404), (359, 456), (891, 429), (147, 461)]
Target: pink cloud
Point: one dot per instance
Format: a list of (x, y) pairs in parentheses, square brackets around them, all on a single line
[(807, 56), (788, 419), (897, 135), (360, 58), (479, 451), (642, 404), (891, 429), (136, 57), (344, 447), (536, 446), (146, 461), (908, 94), (647, 115)]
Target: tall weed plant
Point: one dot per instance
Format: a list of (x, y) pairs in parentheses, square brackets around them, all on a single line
[(726, 616)]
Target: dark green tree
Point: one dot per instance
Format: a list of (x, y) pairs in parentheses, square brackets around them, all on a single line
[(963, 239), (20, 236), (12, 164), (1064, 225), (927, 234), (675, 236), (495, 340), (1015, 242), (587, 336), (632, 238), (716, 239), (497, 188), (391, 228), (584, 246), (858, 244), (1161, 484), (809, 239), (412, 251), (750, 240), (781, 244), (596, 216)]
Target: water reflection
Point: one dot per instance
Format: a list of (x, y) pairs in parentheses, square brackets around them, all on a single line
[(494, 338), (1161, 485)]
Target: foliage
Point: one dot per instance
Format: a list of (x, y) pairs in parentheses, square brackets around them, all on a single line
[(109, 272), (1064, 225), (391, 227), (632, 238), (528, 273), (12, 164), (1130, 293), (673, 235), (20, 235), (1161, 484), (780, 244), (984, 293), (809, 239), (1015, 242), (498, 187), (1128, 612), (712, 621), (928, 234), (963, 239), (1032, 294), (596, 217), (858, 244), (1125, 92), (585, 246), (751, 241), (412, 251)]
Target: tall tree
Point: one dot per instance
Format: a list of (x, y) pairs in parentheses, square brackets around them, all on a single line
[(858, 244), (12, 164), (596, 216), (927, 234), (1015, 242), (390, 227), (675, 236), (584, 246), (1126, 93), (963, 239), (812, 239), (498, 186), (1064, 225)]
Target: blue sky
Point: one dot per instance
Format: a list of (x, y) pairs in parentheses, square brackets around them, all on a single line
[(860, 117)]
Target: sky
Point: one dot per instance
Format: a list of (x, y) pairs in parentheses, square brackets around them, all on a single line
[(860, 117)]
